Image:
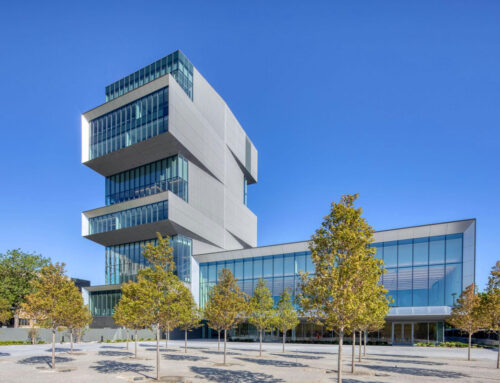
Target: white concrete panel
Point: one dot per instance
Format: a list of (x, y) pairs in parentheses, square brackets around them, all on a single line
[(194, 132), (206, 194), (195, 280), (240, 221), (234, 176), (85, 139), (469, 255), (209, 103)]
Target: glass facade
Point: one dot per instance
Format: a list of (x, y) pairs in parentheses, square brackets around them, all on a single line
[(279, 271), (167, 174), (245, 187), (127, 218), (423, 271), (420, 271), (175, 63), (138, 121), (123, 262), (102, 303)]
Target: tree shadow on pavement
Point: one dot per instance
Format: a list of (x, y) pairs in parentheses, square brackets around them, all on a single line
[(397, 356), (116, 347), (114, 367), (228, 376), (272, 362), (220, 352), (115, 353), (63, 349), (44, 359), (299, 356), (161, 349), (421, 362), (192, 358), (4, 354), (317, 352), (417, 371)]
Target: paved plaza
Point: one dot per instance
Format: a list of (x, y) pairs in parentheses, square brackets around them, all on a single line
[(98, 362)]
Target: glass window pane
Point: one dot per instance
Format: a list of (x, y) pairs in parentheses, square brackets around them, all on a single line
[(238, 269), (212, 272), (420, 251), (390, 254), (436, 285), (454, 248), (405, 287), (436, 250), (257, 268), (248, 269), (453, 283), (420, 286), (405, 250), (391, 284), (278, 266), (300, 262), (268, 267), (379, 248), (289, 265), (310, 268), (230, 266)]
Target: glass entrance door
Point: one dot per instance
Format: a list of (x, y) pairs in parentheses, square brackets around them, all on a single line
[(402, 333)]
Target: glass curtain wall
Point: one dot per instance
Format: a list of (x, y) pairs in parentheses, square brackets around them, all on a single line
[(175, 63), (127, 218), (102, 303), (423, 271), (279, 271), (123, 262), (167, 174), (138, 121)]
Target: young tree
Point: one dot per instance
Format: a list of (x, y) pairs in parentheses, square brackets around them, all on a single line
[(345, 267), (211, 313), (129, 312), (18, 270), (286, 317), (377, 308), (490, 305), (52, 293), (230, 302), (5, 311), (78, 314), (466, 314), (189, 316), (157, 284), (261, 311)]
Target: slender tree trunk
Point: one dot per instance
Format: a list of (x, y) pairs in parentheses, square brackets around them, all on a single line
[(166, 337), (218, 340), (339, 363), (158, 351), (498, 354), (135, 340), (366, 337), (71, 341), (360, 342), (53, 348), (185, 341), (33, 337), (225, 337), (353, 361), (16, 319), (470, 341), (260, 340), (126, 331), (284, 338)]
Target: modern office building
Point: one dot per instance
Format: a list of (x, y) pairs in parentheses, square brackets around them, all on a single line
[(176, 161)]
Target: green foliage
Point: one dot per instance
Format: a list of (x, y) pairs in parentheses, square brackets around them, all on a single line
[(17, 342), (490, 300), (5, 310), (226, 302), (260, 307), (346, 273), (129, 311), (52, 298), (18, 270), (466, 315), (286, 317), (189, 315)]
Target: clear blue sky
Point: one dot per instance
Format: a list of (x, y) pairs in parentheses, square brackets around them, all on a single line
[(396, 100)]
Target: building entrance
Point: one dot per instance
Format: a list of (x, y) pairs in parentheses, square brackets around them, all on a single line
[(402, 333)]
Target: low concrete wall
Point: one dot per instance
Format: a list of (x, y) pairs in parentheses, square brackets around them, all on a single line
[(99, 335)]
